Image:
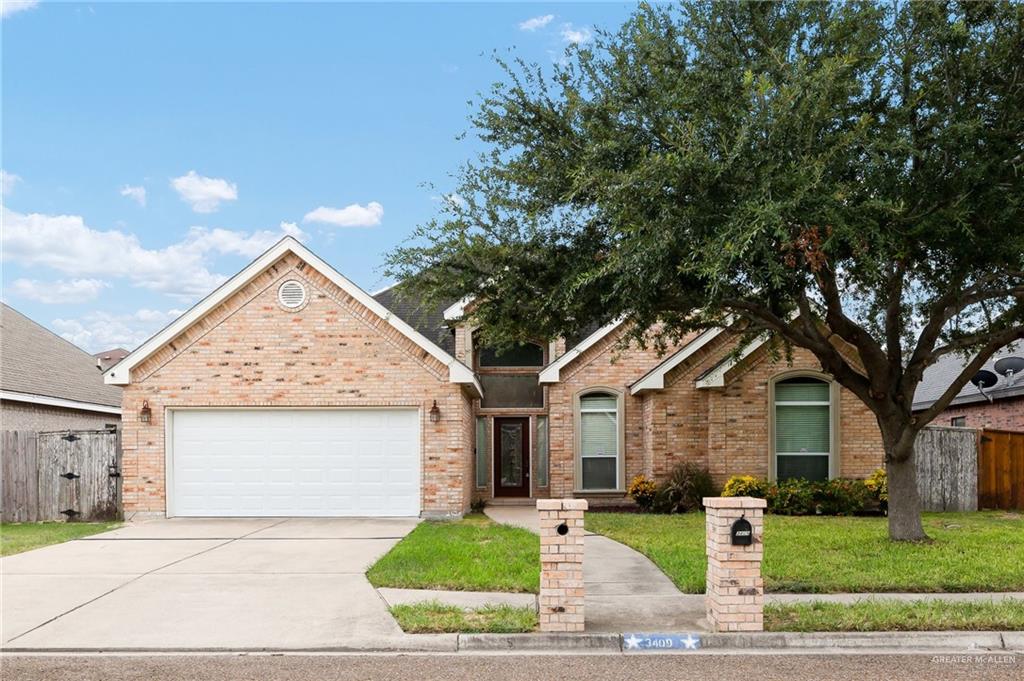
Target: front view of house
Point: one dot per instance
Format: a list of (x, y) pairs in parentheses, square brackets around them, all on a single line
[(289, 391)]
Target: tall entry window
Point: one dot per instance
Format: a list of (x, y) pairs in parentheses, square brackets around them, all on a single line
[(803, 429), (599, 441)]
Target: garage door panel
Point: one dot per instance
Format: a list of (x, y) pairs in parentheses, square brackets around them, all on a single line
[(295, 462)]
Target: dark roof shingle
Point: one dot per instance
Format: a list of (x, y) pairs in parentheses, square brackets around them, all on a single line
[(36, 361), (940, 375)]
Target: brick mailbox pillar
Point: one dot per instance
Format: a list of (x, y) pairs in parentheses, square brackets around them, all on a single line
[(561, 564), (735, 590)]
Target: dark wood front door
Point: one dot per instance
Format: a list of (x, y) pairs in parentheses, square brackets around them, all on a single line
[(511, 457)]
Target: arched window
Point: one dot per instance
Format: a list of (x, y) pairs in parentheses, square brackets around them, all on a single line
[(599, 441), (522, 355), (804, 425)]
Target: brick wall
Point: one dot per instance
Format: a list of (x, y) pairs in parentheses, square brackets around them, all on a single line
[(40, 417), (332, 352), (1003, 414), (725, 429)]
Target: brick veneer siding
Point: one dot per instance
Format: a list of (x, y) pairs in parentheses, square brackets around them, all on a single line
[(725, 429), (41, 417), (333, 352), (606, 365), (1003, 414)]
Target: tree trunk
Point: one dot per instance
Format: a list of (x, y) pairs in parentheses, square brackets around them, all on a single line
[(904, 499)]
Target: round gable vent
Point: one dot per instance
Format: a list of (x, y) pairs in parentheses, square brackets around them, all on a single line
[(292, 294)]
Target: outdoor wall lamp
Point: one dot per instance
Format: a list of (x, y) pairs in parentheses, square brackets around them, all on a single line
[(435, 413), (145, 414)]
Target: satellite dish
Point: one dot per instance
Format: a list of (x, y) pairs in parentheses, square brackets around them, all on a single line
[(1009, 366), (984, 379)]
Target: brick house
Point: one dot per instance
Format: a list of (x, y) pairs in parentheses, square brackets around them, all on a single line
[(290, 391), (1000, 407)]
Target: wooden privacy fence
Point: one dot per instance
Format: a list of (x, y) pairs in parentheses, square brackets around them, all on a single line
[(65, 475), (1001, 469), (947, 468)]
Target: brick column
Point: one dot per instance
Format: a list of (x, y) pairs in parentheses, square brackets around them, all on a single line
[(735, 590), (561, 564)]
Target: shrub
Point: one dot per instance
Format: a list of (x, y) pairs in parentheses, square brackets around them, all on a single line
[(477, 505), (791, 497), (841, 496), (878, 486), (643, 490), (745, 486), (684, 489)]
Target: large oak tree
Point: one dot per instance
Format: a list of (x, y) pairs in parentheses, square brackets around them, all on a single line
[(848, 177)]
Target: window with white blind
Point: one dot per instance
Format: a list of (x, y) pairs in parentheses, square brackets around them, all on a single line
[(803, 429), (599, 441)]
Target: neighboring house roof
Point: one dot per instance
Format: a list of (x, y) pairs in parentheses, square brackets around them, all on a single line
[(38, 366), (121, 373), (940, 375), (108, 358), (552, 372)]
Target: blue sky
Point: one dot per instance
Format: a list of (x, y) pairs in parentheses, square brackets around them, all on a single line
[(151, 150)]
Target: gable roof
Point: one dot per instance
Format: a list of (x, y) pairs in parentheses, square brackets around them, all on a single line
[(940, 375), (120, 374), (655, 378), (37, 365), (552, 372), (714, 376)]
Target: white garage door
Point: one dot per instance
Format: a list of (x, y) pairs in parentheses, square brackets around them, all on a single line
[(308, 462)]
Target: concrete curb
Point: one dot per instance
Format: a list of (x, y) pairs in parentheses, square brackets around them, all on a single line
[(840, 642), (876, 640)]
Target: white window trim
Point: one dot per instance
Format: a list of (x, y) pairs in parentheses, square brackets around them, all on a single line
[(834, 420), (620, 417)]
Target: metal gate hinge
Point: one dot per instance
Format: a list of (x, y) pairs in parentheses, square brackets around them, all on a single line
[(70, 512), (70, 476)]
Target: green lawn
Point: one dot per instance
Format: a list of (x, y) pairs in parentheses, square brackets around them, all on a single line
[(882, 615), (18, 537), (970, 551), (437, 618), (472, 554)]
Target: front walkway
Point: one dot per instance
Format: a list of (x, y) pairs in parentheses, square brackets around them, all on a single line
[(625, 590)]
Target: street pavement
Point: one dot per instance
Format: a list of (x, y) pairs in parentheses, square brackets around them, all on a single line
[(468, 667)]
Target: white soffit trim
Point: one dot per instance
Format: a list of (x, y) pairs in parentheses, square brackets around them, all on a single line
[(458, 310), (655, 378), (59, 402), (716, 377), (550, 373), (120, 373)]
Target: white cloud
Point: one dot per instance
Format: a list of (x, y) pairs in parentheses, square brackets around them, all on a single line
[(352, 215), (575, 35), (60, 291), (536, 22), (9, 7), (97, 331), (7, 182), (228, 241), (204, 194), (136, 194), (66, 244)]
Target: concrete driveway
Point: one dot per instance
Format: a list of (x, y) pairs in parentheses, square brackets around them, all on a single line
[(203, 583)]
